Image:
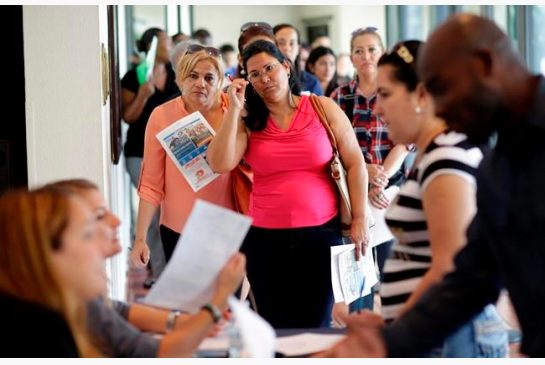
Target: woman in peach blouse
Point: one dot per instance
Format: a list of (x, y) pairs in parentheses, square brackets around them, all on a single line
[(200, 76)]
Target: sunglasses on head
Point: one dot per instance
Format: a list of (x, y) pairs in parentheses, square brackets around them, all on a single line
[(261, 25), (364, 30), (194, 48)]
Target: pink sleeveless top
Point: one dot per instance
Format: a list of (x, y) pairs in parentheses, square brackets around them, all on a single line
[(292, 186)]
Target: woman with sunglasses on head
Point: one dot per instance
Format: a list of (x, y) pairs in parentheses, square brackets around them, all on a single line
[(288, 41), (294, 202), (435, 205), (199, 76), (249, 32), (51, 265), (383, 157)]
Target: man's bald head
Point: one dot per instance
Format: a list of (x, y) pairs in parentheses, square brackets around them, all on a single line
[(463, 34), (469, 67)]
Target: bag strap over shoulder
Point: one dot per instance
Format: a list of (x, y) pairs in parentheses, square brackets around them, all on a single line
[(319, 109)]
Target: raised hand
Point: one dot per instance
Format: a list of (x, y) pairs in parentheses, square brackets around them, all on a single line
[(236, 93), (231, 275)]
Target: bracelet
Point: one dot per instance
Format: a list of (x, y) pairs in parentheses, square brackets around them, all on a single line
[(214, 311), (171, 320)]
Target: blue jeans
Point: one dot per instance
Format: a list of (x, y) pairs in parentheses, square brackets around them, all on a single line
[(484, 336), (290, 273), (157, 256)]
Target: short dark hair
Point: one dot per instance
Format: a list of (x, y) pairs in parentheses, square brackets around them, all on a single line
[(256, 120), (201, 33), (277, 28), (144, 43), (227, 48), (314, 55), (404, 59)]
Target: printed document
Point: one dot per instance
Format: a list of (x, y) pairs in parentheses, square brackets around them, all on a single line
[(186, 142), (351, 279), (210, 237)]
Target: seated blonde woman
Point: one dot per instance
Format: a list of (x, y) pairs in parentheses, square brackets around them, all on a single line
[(120, 326), (51, 265)]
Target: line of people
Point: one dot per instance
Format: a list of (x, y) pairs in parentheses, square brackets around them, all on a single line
[(438, 292)]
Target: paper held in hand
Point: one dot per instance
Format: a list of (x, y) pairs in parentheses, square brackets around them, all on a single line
[(351, 279), (186, 142), (210, 237)]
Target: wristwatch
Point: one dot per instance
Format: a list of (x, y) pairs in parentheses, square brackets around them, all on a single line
[(171, 319), (214, 311)]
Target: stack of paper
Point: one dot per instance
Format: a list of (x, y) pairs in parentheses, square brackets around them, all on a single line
[(351, 279)]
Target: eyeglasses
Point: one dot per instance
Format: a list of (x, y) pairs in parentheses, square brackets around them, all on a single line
[(262, 25), (194, 48), (364, 30), (404, 53), (255, 76)]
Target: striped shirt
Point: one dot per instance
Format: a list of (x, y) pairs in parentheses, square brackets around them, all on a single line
[(448, 153)]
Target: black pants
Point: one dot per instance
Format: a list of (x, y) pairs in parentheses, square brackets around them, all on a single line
[(290, 273), (169, 238)]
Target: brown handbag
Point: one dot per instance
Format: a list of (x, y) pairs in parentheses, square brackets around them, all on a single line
[(242, 181), (338, 173)]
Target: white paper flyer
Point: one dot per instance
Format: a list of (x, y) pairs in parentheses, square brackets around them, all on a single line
[(210, 237), (186, 142)]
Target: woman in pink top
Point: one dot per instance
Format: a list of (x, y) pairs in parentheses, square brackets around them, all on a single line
[(199, 76), (294, 200)]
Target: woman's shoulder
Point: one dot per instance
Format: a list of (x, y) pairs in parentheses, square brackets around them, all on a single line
[(450, 151), (450, 144)]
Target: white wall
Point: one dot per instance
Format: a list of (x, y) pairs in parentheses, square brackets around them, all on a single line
[(224, 21), (359, 16), (68, 129), (63, 93)]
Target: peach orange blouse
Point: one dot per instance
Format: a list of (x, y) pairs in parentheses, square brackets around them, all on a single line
[(161, 183)]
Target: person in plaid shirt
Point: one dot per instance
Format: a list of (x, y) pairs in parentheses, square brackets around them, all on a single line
[(384, 159)]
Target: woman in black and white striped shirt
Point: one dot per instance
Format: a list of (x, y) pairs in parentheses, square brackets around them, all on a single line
[(434, 207)]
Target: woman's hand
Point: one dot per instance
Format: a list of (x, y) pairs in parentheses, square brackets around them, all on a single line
[(377, 176), (359, 232), (339, 313), (377, 198), (231, 276), (147, 89), (236, 92), (140, 254)]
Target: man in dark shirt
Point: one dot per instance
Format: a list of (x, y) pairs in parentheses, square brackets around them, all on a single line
[(480, 86)]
